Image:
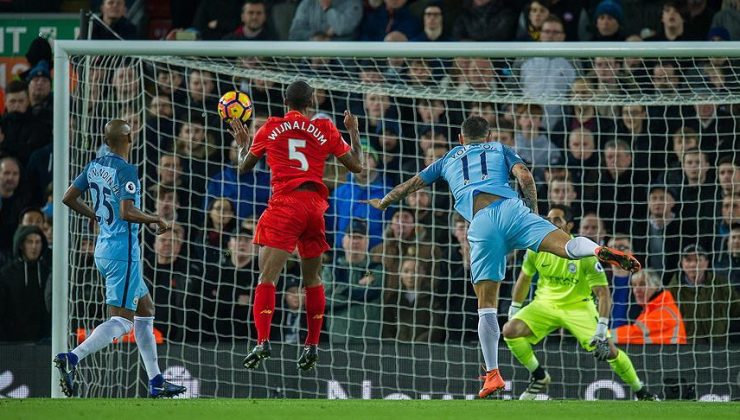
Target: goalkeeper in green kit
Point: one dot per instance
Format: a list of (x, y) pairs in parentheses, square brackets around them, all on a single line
[(564, 300)]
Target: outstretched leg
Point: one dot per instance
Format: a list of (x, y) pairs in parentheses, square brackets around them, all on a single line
[(117, 325), (561, 244)]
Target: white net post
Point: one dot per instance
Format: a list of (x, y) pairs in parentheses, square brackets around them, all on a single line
[(413, 334)]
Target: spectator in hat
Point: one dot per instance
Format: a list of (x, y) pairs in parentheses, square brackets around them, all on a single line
[(39, 93), (39, 90), (729, 18), (706, 300), (353, 289), (334, 19), (609, 18)]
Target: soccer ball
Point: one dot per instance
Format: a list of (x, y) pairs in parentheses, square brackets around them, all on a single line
[(235, 104)]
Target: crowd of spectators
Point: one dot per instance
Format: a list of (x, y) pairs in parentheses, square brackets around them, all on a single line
[(659, 180)]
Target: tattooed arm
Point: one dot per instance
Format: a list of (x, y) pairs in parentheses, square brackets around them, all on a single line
[(526, 182), (398, 193)]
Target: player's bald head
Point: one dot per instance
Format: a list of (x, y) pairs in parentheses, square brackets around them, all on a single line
[(116, 132), (298, 95)]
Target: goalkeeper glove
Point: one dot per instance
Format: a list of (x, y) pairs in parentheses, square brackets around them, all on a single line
[(601, 350), (514, 308)]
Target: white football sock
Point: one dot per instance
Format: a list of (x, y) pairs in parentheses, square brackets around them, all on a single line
[(144, 332), (488, 334), (103, 335), (580, 247)]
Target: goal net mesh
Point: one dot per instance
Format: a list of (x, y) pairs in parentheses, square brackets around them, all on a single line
[(641, 149)]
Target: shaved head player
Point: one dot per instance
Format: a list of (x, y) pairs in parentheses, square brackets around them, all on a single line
[(296, 149), (116, 194)]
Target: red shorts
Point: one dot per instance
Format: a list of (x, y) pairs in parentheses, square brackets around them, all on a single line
[(295, 218)]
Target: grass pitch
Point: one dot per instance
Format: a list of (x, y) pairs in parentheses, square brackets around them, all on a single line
[(228, 409)]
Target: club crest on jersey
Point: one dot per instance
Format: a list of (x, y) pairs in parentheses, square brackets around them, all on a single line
[(130, 187), (598, 267), (572, 268)]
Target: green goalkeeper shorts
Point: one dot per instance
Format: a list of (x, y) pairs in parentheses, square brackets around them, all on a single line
[(543, 317)]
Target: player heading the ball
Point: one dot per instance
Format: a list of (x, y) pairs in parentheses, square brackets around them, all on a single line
[(296, 149), (116, 194), (478, 174)]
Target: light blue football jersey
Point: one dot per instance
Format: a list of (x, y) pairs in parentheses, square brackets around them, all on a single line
[(474, 168), (110, 180)]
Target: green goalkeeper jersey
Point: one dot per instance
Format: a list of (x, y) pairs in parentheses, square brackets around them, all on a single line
[(563, 281)]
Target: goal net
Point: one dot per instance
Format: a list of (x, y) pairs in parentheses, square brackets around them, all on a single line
[(638, 141)]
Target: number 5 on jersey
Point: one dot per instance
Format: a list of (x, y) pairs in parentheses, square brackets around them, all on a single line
[(294, 154)]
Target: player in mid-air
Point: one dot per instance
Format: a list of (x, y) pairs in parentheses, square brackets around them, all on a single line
[(296, 149), (564, 300), (477, 172), (116, 195)]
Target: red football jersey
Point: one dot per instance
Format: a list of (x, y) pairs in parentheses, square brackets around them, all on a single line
[(297, 149)]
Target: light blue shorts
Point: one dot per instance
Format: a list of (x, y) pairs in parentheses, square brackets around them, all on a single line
[(498, 229), (124, 282)]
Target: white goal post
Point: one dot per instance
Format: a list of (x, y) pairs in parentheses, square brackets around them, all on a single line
[(189, 52)]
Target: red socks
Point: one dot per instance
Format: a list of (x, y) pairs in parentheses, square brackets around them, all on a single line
[(315, 304), (264, 307)]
